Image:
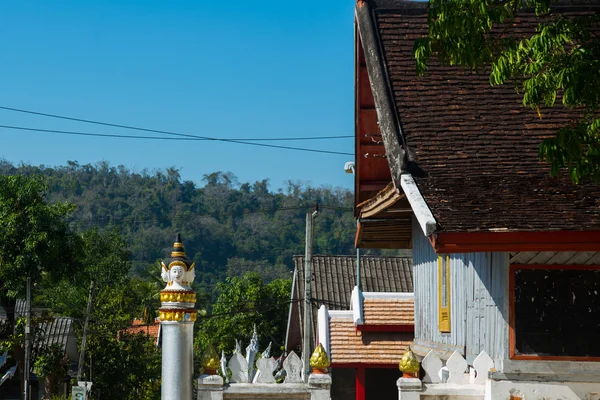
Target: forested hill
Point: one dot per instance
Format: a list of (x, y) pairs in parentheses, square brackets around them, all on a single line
[(227, 227)]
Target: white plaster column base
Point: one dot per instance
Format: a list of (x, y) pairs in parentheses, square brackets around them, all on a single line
[(409, 388), (177, 360), (320, 386), (210, 387)]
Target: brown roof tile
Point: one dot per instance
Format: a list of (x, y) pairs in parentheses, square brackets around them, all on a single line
[(347, 345), (477, 144), (389, 311), (334, 277)]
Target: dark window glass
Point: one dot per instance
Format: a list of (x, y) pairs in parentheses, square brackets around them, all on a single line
[(557, 312)]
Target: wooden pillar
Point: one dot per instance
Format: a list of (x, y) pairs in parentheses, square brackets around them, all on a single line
[(360, 384)]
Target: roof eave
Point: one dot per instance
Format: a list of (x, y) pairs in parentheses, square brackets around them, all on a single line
[(474, 242), (381, 90)]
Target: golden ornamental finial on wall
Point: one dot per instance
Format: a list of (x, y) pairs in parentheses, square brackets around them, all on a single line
[(319, 360)]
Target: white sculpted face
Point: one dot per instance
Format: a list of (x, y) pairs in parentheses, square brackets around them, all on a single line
[(177, 273)]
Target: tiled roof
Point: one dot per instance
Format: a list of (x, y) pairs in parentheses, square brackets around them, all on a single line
[(388, 311), (334, 277), (347, 345), (476, 144), (139, 326)]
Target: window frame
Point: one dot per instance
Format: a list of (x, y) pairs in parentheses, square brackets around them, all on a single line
[(512, 316)]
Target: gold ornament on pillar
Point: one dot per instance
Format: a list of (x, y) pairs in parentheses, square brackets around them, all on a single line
[(210, 360), (319, 361), (409, 365)]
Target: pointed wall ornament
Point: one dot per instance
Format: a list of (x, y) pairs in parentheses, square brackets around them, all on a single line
[(251, 351), (239, 368), (483, 363), (267, 352), (293, 368), (457, 366), (266, 367), (224, 366), (432, 364), (319, 361), (409, 365), (238, 346)]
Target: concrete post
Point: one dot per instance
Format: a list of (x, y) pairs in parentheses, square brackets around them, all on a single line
[(177, 361), (210, 387), (409, 388), (320, 386)]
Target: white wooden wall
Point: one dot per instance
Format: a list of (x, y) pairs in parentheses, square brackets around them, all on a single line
[(479, 319)]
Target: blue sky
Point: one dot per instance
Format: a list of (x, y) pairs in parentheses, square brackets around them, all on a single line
[(227, 69)]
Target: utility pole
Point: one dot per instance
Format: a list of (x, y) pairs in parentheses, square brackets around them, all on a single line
[(27, 363), (358, 269), (306, 352), (88, 311)]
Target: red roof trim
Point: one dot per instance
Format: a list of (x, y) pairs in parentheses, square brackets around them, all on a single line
[(362, 365), (386, 328), (515, 241)]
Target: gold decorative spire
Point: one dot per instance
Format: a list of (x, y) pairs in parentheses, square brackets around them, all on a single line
[(210, 360), (409, 364), (178, 256), (319, 360)]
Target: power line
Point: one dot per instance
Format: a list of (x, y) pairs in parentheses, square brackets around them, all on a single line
[(87, 121), (78, 133)]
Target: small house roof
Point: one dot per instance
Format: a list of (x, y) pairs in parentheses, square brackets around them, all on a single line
[(475, 146), (334, 277), (349, 346), (384, 311)]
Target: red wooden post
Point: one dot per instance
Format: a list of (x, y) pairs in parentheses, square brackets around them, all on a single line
[(360, 383)]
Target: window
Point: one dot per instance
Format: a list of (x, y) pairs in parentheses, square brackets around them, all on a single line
[(444, 293), (555, 312)]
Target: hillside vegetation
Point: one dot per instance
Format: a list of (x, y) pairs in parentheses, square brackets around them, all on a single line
[(228, 227)]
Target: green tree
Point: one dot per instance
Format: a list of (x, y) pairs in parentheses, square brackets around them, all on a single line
[(242, 302), (560, 61), (125, 368), (33, 237), (51, 364)]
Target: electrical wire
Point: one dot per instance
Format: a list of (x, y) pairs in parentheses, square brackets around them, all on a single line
[(87, 121), (23, 128)]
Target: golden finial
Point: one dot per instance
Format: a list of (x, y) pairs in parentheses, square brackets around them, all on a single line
[(319, 360), (210, 360), (409, 364)]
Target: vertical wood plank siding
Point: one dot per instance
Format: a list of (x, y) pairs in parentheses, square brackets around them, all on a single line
[(477, 285)]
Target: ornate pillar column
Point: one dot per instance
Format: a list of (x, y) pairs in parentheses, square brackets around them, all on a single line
[(177, 316)]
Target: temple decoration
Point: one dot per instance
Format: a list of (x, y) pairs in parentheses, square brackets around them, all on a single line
[(210, 360), (319, 361), (177, 317), (409, 365), (178, 270), (251, 351)]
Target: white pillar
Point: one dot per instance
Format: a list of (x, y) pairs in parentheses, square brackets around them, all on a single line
[(210, 387), (409, 388), (320, 386), (177, 316), (177, 360)]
